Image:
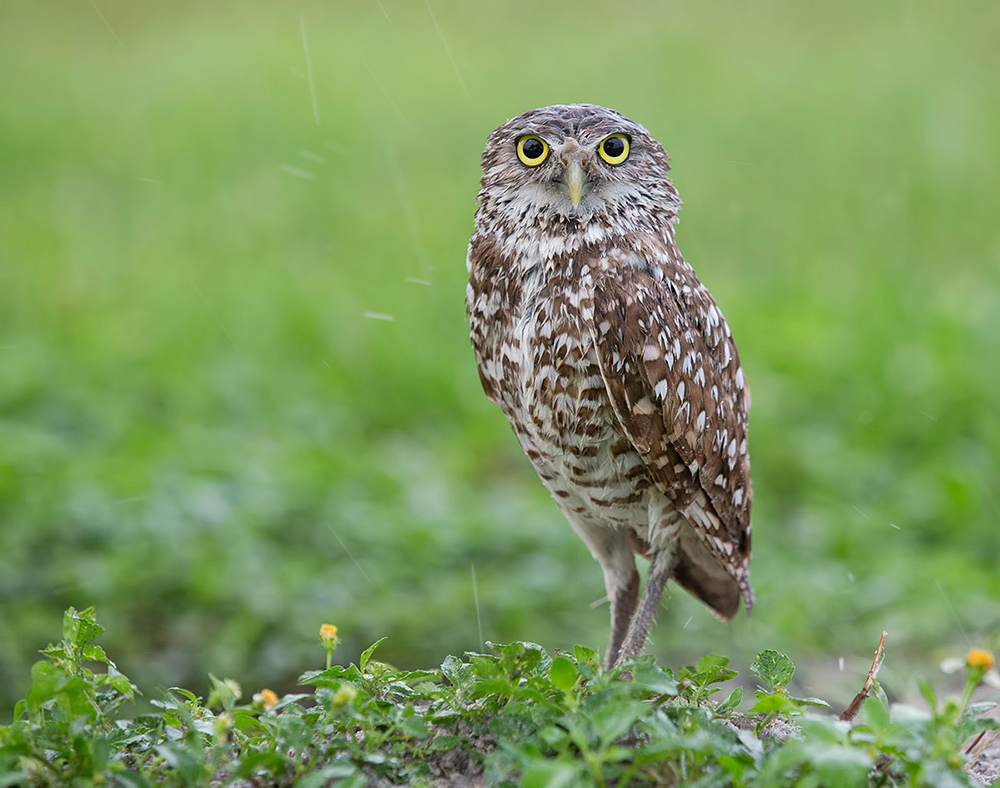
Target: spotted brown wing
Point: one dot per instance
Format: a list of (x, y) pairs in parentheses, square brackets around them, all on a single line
[(675, 380)]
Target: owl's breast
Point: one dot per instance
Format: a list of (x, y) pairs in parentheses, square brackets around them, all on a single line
[(556, 381), (560, 410), (537, 358), (538, 361), (552, 390)]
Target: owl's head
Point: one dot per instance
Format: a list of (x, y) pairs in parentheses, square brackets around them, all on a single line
[(577, 161)]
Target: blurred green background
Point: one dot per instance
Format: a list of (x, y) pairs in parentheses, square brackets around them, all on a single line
[(237, 398)]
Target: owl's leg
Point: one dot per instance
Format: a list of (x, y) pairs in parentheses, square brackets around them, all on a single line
[(660, 568), (623, 596), (613, 550)]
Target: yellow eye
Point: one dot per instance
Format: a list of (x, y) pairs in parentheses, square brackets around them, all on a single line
[(532, 150), (614, 148)]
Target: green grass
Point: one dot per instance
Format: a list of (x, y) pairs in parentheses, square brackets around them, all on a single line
[(204, 433)]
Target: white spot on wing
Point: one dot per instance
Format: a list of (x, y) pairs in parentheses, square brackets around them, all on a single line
[(644, 407)]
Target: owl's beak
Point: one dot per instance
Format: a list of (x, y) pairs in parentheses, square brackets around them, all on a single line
[(575, 177)]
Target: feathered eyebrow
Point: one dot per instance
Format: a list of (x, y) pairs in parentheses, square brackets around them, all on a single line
[(538, 130)]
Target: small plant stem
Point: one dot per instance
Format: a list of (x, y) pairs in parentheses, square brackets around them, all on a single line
[(594, 762), (623, 781), (970, 687), (765, 722)]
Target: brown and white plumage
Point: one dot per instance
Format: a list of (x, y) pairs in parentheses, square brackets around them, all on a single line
[(611, 360)]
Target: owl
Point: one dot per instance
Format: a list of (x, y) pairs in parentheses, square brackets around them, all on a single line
[(611, 360)]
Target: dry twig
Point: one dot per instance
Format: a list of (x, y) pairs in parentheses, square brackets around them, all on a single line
[(852, 711), (977, 751)]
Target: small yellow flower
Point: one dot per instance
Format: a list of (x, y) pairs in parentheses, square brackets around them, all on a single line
[(979, 665), (344, 695), (979, 658), (328, 634), (268, 698), (328, 637)]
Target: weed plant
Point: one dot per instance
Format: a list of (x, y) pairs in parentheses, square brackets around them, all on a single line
[(515, 716)]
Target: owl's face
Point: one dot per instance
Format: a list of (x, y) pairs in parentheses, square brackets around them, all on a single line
[(576, 161)]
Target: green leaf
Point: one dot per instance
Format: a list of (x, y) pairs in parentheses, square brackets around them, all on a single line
[(709, 662), (928, 692), (81, 627), (713, 669), (484, 667), (587, 656), (555, 736), (735, 765), (841, 765), (552, 774), (730, 703), (100, 750), (445, 743), (880, 693), (332, 772), (95, 653), (258, 761), (875, 714), (186, 694), (367, 654), (46, 681), (614, 717), (774, 669), (940, 773), (522, 657), (501, 687), (980, 708), (459, 673), (415, 726), (810, 702), (563, 674), (224, 693), (651, 677), (188, 762), (617, 754), (768, 703), (333, 677), (119, 682), (131, 779)]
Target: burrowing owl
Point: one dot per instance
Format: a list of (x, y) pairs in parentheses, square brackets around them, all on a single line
[(611, 360)]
